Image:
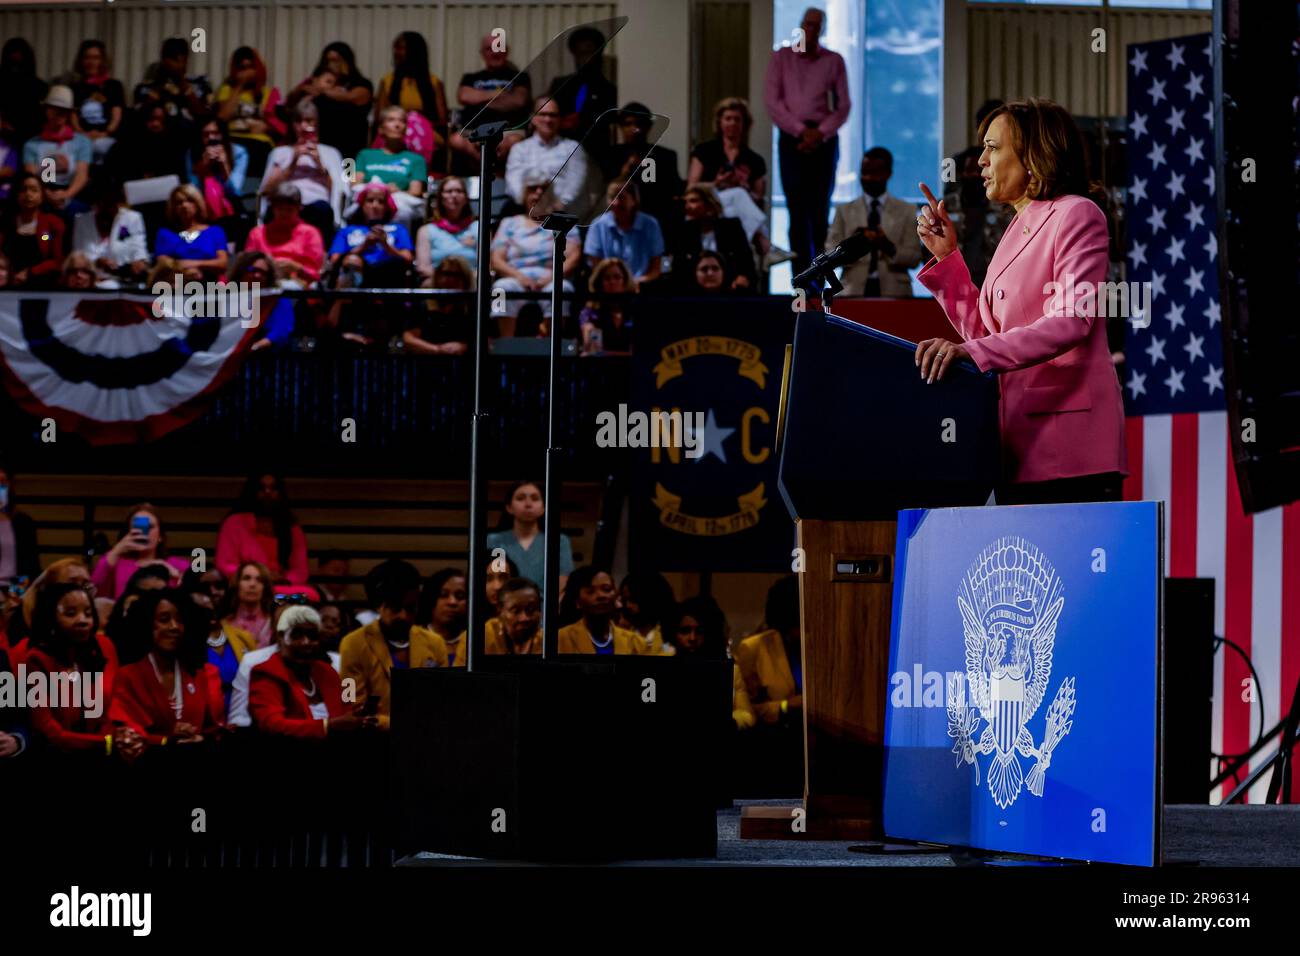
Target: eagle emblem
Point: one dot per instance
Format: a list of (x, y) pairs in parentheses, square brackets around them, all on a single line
[(1010, 601)]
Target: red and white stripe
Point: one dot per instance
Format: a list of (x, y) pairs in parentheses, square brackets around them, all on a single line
[(1186, 461)]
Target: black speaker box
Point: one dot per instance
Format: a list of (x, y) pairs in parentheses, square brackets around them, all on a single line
[(573, 760), (1189, 688)]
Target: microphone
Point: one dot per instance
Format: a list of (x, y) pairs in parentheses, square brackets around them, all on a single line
[(850, 250)]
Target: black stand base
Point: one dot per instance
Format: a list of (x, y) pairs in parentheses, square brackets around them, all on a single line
[(562, 761)]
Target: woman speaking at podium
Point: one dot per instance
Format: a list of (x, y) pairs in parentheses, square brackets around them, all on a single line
[(1035, 319)]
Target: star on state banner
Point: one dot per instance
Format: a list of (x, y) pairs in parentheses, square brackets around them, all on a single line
[(712, 502)]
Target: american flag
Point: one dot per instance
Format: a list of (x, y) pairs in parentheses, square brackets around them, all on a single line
[(1178, 443)]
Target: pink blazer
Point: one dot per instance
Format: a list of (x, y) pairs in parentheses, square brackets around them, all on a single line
[(1062, 412), (237, 542)]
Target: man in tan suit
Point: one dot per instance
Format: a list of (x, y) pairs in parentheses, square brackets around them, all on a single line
[(889, 222)]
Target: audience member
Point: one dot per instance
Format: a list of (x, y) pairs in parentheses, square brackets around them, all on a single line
[(412, 86), (295, 246), (184, 98), (15, 729), (709, 276), (18, 628), (150, 577), (226, 644), (19, 555), (262, 528), (342, 96), (605, 323), (500, 569), (335, 623), (624, 232), (660, 193), (521, 537), (250, 602), (21, 90), (452, 230), (32, 239), (357, 322), (771, 661), (257, 268), (112, 234), (697, 628), (394, 641), (888, 223), (11, 160), (500, 93), (588, 611), (400, 170), (523, 254), (166, 691), (151, 144), (78, 272), (543, 156), (296, 693), (807, 96), (726, 161), (99, 100), (443, 610), (217, 166), (141, 541), (248, 105), (384, 245), (60, 155), (330, 579), (705, 228), (647, 600), (585, 97), (197, 246), (518, 620), (446, 326), (314, 168)]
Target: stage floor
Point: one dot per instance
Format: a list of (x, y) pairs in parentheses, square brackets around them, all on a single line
[(1194, 835)]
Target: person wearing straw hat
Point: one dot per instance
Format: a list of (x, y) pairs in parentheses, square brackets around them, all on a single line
[(59, 154)]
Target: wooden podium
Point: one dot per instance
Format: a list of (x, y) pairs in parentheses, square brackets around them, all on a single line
[(862, 437)]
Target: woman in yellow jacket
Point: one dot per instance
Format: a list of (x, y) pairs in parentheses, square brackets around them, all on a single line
[(648, 600), (370, 654), (443, 609), (588, 611), (517, 627), (771, 661)]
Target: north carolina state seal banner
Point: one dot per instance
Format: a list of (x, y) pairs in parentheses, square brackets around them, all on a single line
[(701, 429), (126, 368)]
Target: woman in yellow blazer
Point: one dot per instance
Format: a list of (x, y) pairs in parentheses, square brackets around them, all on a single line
[(589, 607), (648, 600), (516, 628), (444, 606), (771, 661), (369, 655)]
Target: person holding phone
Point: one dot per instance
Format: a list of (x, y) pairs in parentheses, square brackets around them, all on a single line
[(140, 543), (1061, 409)]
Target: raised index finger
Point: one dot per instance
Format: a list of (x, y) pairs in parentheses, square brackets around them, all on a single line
[(929, 198)]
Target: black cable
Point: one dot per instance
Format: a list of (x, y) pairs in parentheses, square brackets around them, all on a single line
[(1259, 697)]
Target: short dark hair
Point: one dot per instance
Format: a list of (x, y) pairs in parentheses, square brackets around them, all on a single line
[(174, 46), (882, 154), (391, 581), (782, 608), (588, 33)]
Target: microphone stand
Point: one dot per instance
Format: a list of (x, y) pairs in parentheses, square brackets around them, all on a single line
[(559, 224), (487, 136), (832, 287)]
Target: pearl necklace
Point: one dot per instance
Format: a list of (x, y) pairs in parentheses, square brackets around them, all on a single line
[(310, 690), (215, 642), (398, 645), (609, 637)]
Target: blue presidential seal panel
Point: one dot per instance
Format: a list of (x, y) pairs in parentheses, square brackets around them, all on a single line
[(700, 426), (1023, 699)]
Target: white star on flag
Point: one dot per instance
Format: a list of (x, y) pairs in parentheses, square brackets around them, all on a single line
[(1175, 121), (1157, 91), (1212, 246), (1139, 126), (1209, 114), (1213, 378), (1209, 180), (1193, 347), (1157, 284), (1212, 313), (1175, 57), (1176, 315), (1175, 184), (1175, 250), (1193, 281), (711, 439), (1193, 85), (1157, 154), (1137, 384), (1174, 380), (1156, 350), (1139, 190), (1194, 150), (1194, 216), (1138, 254), (1157, 218), (1139, 61)]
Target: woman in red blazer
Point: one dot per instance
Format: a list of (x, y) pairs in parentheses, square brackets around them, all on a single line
[(32, 240), (65, 641), (1035, 319), (296, 692), (167, 695)]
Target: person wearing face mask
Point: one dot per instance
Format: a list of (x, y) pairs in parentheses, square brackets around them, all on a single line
[(889, 225), (370, 654)]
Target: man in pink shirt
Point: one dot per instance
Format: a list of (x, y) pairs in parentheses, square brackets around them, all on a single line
[(807, 96)]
